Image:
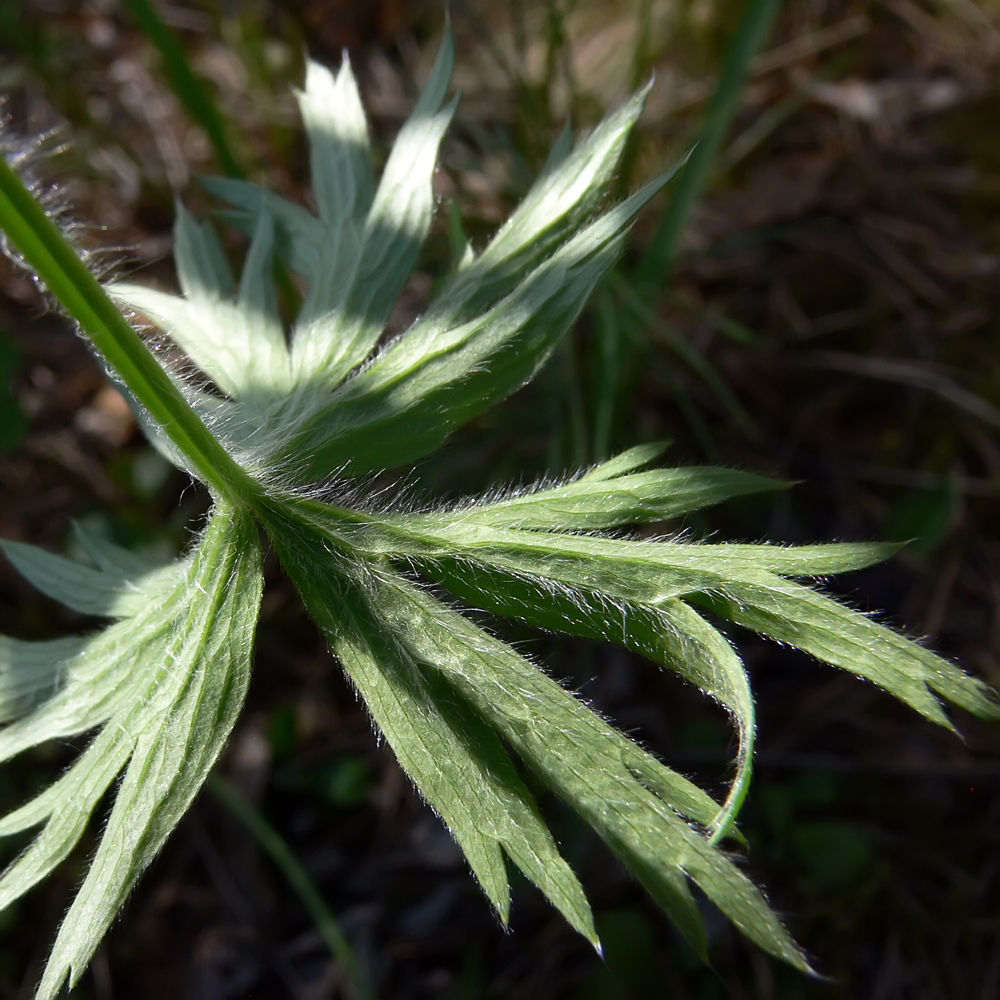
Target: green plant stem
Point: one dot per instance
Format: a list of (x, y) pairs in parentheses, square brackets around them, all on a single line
[(658, 261), (298, 878), (57, 264)]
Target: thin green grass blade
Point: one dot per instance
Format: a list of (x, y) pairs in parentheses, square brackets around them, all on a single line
[(186, 85), (277, 848), (606, 374), (755, 26), (649, 319)]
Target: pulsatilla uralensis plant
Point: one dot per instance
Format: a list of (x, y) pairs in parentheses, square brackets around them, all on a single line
[(276, 421)]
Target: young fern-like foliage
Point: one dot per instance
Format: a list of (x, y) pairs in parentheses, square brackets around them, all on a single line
[(161, 686)]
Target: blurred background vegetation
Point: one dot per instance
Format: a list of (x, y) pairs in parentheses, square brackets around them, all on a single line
[(827, 313)]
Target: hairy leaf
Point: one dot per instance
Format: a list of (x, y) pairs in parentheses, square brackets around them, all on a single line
[(240, 345), (595, 769), (603, 499), (339, 152), (165, 685), (436, 377), (263, 421), (455, 759)]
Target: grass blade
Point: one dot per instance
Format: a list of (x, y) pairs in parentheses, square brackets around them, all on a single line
[(654, 270), (276, 847), (190, 90)]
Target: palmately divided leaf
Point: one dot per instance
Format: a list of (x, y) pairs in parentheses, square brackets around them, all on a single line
[(454, 758), (649, 571), (792, 613), (486, 334), (203, 270), (671, 633), (112, 558), (109, 591), (566, 194), (596, 770), (592, 502), (31, 671), (301, 237), (436, 376), (240, 345), (166, 685), (335, 334), (370, 243), (744, 583)]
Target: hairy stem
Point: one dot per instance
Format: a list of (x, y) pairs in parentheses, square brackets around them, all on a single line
[(38, 239)]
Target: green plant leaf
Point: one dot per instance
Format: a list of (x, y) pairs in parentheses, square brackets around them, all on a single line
[(31, 671), (671, 633), (455, 759), (107, 591), (203, 270), (790, 612), (112, 558), (532, 278), (339, 151), (564, 196), (630, 799), (546, 574), (160, 687), (603, 499), (300, 235), (329, 341), (648, 571), (239, 345), (36, 237), (627, 461), (165, 686), (435, 377)]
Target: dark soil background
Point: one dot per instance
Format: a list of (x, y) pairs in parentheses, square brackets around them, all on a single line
[(832, 320)]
